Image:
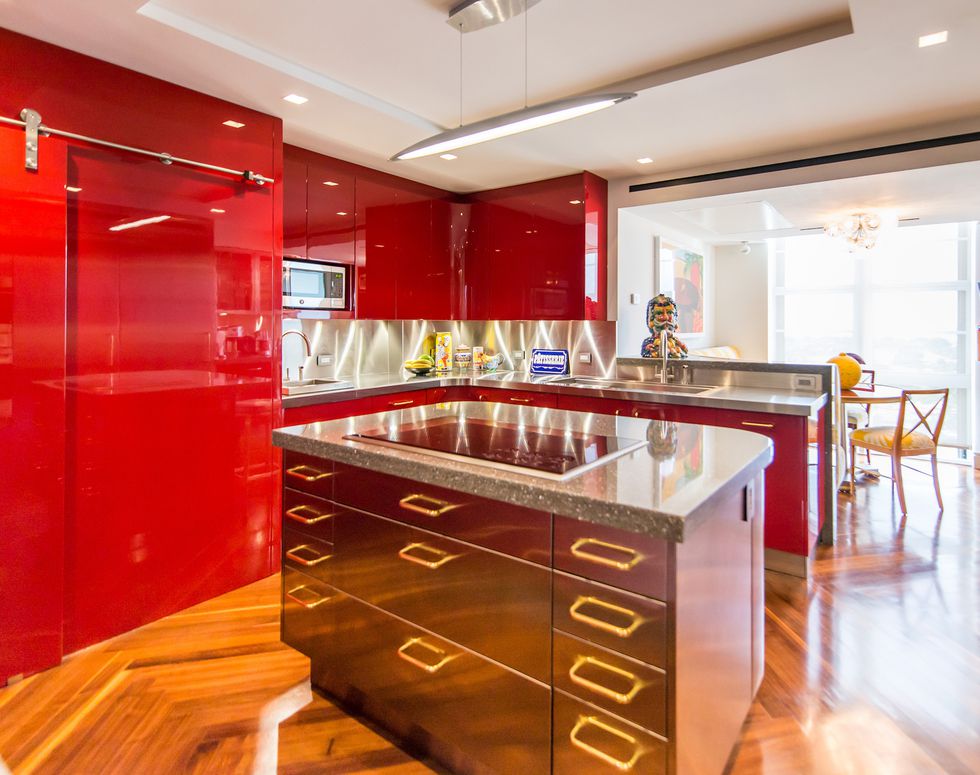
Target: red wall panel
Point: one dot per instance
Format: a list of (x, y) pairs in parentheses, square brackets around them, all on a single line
[(32, 428)]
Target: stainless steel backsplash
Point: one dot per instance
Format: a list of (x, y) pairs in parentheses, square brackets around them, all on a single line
[(370, 347)]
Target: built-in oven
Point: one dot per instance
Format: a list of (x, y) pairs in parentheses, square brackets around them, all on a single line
[(314, 284)]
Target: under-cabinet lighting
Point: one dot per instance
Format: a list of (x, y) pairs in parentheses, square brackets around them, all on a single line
[(73, 189), (216, 210), (512, 123), (644, 160), (140, 222), (933, 39), (296, 99), (330, 183), (233, 124)]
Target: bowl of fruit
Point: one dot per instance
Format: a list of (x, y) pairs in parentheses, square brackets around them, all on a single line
[(420, 366)]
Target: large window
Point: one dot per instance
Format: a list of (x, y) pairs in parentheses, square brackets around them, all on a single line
[(904, 306)]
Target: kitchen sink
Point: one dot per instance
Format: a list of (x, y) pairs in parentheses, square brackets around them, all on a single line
[(635, 386), (298, 387)]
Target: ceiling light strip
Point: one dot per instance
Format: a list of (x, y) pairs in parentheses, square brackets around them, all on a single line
[(522, 120), (42, 130)]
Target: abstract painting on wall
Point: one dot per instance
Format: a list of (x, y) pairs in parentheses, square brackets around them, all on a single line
[(682, 278)]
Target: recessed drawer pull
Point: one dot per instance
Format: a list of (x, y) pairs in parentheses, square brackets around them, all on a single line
[(578, 551), (307, 473), (619, 764), (759, 424), (620, 632), (312, 598), (415, 503), (443, 557), (515, 400), (295, 513), (429, 667), (592, 686), (402, 403), (294, 555)]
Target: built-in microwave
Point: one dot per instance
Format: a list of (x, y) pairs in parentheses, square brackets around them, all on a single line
[(313, 284)]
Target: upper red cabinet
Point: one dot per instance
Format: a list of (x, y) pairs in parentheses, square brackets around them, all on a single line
[(535, 251)]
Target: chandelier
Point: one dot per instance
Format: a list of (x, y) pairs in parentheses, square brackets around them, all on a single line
[(859, 230)]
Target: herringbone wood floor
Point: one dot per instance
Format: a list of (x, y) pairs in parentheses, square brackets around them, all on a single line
[(872, 666)]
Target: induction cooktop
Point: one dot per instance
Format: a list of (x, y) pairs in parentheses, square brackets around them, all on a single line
[(546, 452)]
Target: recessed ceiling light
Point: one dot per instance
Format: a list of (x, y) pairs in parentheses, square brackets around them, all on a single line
[(448, 156), (233, 124), (341, 213), (295, 99), (73, 189), (330, 183), (933, 39), (575, 201), (216, 210), (645, 160)]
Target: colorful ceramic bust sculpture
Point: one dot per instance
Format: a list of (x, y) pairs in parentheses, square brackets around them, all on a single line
[(662, 316)]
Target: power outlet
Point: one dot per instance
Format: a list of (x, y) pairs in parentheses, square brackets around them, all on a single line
[(517, 355), (804, 382), (324, 359), (585, 357)]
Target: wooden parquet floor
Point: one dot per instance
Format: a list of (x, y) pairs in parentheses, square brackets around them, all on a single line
[(872, 666)]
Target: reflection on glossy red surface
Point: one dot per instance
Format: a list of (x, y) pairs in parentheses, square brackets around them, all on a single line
[(171, 391), (32, 431)]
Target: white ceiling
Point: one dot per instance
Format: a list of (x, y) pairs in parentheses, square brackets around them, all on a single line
[(946, 194), (383, 74)]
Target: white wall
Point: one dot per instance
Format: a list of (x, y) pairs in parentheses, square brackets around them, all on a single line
[(636, 274), (741, 309)]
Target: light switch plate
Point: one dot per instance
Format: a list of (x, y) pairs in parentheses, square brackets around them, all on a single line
[(585, 357), (634, 298), (324, 359), (517, 355)]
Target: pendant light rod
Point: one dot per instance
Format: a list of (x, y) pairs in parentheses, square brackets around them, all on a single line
[(512, 123)]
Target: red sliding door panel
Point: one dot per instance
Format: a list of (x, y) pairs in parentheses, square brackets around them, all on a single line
[(171, 391), (32, 421)]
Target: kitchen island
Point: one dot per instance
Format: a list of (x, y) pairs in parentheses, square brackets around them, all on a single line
[(501, 620)]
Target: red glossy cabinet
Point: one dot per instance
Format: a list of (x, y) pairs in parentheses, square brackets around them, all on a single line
[(330, 216)]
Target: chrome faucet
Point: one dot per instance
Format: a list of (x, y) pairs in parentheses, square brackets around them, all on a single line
[(663, 355), (309, 351)]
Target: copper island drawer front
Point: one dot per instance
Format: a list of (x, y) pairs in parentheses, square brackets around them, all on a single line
[(307, 555), (514, 530), (309, 474), (495, 605), (307, 610), (622, 686), (616, 557), (621, 621), (308, 514), (587, 741), (473, 715)]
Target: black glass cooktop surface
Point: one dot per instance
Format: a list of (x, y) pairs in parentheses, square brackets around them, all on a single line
[(541, 451)]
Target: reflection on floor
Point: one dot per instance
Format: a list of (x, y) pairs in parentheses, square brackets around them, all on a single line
[(871, 667)]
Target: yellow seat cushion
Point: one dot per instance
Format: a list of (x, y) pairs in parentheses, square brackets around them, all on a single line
[(884, 437)]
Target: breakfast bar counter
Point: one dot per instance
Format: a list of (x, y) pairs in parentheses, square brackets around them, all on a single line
[(525, 589)]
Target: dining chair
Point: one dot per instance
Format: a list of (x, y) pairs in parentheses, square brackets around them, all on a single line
[(916, 432)]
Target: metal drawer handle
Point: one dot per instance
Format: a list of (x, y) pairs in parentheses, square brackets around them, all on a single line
[(308, 473), (294, 513), (759, 424), (622, 699), (412, 503), (619, 764), (634, 556), (402, 403), (599, 624), (444, 557), (514, 400), (310, 603), (293, 554), (444, 658)]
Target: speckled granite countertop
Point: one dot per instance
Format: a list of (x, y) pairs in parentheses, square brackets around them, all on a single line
[(645, 491), (748, 399)]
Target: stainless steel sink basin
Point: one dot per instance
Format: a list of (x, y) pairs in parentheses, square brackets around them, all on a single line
[(298, 387), (636, 386)]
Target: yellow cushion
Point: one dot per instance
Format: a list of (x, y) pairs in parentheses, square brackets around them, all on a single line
[(884, 437)]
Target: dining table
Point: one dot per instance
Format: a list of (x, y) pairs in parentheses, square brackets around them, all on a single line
[(866, 397)]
